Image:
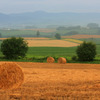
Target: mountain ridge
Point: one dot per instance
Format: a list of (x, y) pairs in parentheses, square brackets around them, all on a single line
[(49, 18)]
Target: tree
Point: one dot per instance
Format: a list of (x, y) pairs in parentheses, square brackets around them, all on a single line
[(86, 51), (0, 35), (58, 36), (71, 33), (14, 48), (93, 25), (38, 33)]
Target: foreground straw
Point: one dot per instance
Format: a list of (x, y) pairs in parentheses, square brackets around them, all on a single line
[(11, 76)]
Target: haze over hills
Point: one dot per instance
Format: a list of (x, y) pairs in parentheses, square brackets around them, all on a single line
[(42, 18)]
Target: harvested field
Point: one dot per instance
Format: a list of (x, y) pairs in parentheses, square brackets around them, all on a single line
[(81, 36), (47, 81), (50, 43)]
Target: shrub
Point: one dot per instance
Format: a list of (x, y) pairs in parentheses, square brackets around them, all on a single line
[(74, 58), (57, 35), (14, 48), (86, 51)]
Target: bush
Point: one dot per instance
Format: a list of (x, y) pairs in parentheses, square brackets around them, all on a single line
[(74, 58), (58, 36), (86, 51), (14, 48)]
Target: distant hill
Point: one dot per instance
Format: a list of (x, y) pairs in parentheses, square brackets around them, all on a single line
[(44, 18)]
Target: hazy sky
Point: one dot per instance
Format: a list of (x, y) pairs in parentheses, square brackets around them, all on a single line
[(18, 6)]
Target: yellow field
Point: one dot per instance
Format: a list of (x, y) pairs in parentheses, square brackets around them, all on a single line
[(45, 81), (50, 43), (74, 40)]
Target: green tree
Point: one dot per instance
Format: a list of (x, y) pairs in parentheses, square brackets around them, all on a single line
[(86, 51), (57, 35), (0, 35), (14, 48), (38, 34), (93, 25)]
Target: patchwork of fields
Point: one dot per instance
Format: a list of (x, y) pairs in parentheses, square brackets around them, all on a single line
[(53, 81)]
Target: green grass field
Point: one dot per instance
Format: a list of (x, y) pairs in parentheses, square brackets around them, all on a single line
[(38, 53), (51, 51)]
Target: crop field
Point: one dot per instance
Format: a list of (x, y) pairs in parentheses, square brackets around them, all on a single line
[(50, 43), (74, 40), (81, 36), (52, 81), (51, 51)]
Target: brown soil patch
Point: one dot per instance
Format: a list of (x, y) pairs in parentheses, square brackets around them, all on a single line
[(81, 36), (50, 43), (47, 81)]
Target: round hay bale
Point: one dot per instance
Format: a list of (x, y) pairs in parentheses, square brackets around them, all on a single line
[(11, 76), (62, 60), (50, 60)]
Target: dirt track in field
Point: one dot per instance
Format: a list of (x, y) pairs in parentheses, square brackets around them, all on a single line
[(81, 36), (50, 43), (46, 81)]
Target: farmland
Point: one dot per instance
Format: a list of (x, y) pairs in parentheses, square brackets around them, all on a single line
[(74, 40), (54, 81), (82, 36), (47, 45), (45, 81), (50, 43)]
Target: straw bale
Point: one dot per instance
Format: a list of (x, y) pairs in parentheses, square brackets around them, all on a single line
[(50, 60), (11, 76), (62, 60)]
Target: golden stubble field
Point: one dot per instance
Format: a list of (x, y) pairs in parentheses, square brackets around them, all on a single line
[(48, 81), (50, 43)]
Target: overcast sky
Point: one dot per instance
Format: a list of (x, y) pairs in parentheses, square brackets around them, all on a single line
[(18, 6)]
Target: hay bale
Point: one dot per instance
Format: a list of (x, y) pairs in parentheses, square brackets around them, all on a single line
[(62, 60), (11, 76), (50, 60)]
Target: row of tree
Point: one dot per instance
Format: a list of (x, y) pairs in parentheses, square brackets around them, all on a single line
[(90, 25)]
